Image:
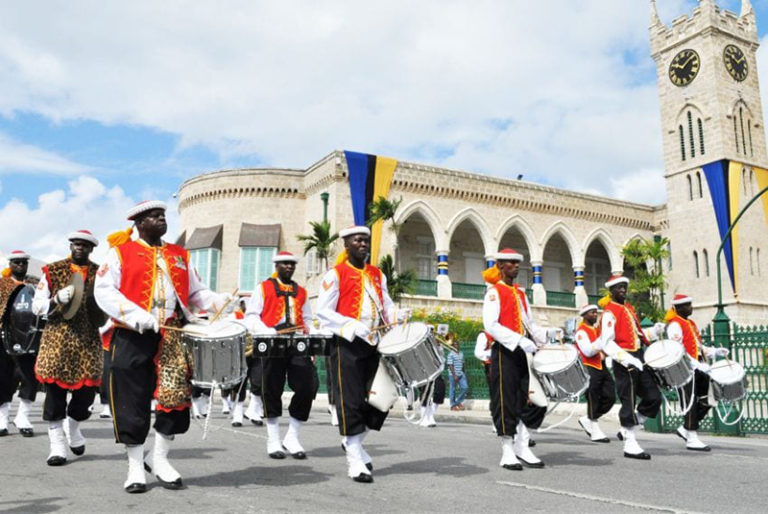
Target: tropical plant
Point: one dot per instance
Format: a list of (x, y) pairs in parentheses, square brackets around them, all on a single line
[(321, 240), (382, 209), (642, 258), (398, 283)]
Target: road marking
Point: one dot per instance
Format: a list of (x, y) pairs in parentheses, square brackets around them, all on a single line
[(582, 496)]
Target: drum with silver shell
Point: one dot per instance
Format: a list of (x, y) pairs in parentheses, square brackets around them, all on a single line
[(669, 364), (729, 382), (21, 328), (560, 371), (217, 352), (411, 355)]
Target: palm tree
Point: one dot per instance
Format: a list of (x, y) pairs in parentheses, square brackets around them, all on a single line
[(398, 284), (643, 258), (382, 209), (321, 240)]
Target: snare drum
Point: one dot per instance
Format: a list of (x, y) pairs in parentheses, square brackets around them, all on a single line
[(669, 364), (271, 345), (560, 371), (218, 353), (410, 354), (729, 382), (21, 328)]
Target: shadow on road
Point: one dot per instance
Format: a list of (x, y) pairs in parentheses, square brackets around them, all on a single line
[(258, 475), (38, 505), (446, 466)]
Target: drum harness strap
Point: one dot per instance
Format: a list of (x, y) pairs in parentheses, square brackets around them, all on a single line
[(286, 295)]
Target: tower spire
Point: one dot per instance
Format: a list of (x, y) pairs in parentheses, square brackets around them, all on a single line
[(655, 20), (746, 7)]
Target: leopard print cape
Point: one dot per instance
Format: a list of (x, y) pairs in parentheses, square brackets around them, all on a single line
[(70, 352), (174, 371)]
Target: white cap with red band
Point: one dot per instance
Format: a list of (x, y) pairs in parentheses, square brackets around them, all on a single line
[(357, 229), (616, 279), (84, 235), (681, 299), (284, 257), (145, 206), (587, 308), (508, 254), (18, 255)]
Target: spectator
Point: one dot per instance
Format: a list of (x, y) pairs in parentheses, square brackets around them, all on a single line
[(455, 363)]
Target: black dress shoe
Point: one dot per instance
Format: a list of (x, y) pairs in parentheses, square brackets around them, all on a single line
[(369, 466), (3, 432), (536, 465), (638, 456), (27, 432), (236, 424), (603, 440), (619, 436), (702, 449), (56, 460), (531, 443), (297, 455), (257, 422), (363, 478), (176, 484), (343, 448), (136, 488), (513, 467), (277, 455), (78, 450)]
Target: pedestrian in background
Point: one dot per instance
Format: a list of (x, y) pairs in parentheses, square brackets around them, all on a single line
[(457, 377)]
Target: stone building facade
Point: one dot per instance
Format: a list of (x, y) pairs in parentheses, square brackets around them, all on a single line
[(234, 219)]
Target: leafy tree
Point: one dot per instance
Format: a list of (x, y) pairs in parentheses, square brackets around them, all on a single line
[(643, 258), (382, 209), (321, 239), (398, 283)]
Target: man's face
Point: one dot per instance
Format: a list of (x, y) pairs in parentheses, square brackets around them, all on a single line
[(18, 267), (357, 246), (285, 270), (509, 269), (80, 250), (685, 309), (591, 317), (619, 292), (153, 224)]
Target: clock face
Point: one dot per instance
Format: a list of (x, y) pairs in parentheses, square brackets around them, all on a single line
[(684, 67), (735, 62)]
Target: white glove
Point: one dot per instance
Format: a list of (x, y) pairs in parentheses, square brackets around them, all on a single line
[(632, 361), (146, 322), (703, 367), (527, 345), (721, 352), (228, 302), (403, 315), (64, 295), (267, 331), (659, 329), (361, 330), (555, 333)]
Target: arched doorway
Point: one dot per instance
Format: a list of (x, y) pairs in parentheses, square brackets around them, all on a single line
[(557, 272)]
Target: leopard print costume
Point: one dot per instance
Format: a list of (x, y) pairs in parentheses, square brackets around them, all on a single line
[(7, 285), (70, 352), (174, 370)]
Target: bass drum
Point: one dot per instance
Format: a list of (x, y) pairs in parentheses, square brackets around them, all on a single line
[(22, 329)]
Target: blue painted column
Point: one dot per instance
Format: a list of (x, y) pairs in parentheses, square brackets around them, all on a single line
[(578, 286), (444, 287), (539, 293)]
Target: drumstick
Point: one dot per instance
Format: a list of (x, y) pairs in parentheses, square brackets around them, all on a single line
[(226, 304), (289, 329), (387, 325)]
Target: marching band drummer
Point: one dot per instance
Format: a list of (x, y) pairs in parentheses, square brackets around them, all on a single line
[(601, 394), (279, 303), (507, 319), (14, 369), (145, 285), (682, 329), (70, 358), (353, 302), (622, 339)]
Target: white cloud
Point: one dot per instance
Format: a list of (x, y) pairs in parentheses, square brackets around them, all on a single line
[(643, 186), (16, 157), (41, 229)]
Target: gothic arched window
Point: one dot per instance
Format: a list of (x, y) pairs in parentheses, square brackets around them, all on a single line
[(743, 139), (701, 136), (698, 180), (690, 187), (696, 262), (749, 129), (735, 134), (682, 142), (705, 258), (690, 135)]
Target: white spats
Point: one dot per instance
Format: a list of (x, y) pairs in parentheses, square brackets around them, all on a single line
[(508, 458), (631, 447), (4, 408), (226, 405), (58, 442), (255, 408), (522, 450), (334, 415), (586, 424), (237, 414), (106, 412), (291, 440), (75, 436), (273, 436), (694, 443), (199, 407), (428, 415), (597, 433), (158, 462), (22, 416), (135, 467), (355, 463)]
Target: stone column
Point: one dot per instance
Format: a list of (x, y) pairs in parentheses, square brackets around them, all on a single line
[(578, 289), (539, 293), (444, 288)]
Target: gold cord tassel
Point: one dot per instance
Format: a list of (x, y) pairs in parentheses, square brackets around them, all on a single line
[(120, 237)]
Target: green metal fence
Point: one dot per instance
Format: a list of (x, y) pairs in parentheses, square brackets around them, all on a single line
[(561, 299), (468, 291), (426, 287)]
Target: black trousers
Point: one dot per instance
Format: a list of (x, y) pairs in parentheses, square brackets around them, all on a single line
[(438, 392), (25, 373), (235, 393), (601, 394), (255, 371), (354, 366), (56, 407), (300, 374), (509, 381), (104, 391), (700, 406), (632, 383), (8, 379), (328, 381), (132, 381)]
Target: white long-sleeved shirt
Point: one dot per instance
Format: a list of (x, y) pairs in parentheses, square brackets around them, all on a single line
[(608, 329), (502, 334), (482, 352), (255, 306), (675, 333), (343, 326), (587, 347), (119, 308)]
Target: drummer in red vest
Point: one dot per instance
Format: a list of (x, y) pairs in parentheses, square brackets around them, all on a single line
[(682, 329), (279, 303), (354, 304), (19, 368), (146, 285), (507, 319), (601, 394), (70, 358), (623, 340)]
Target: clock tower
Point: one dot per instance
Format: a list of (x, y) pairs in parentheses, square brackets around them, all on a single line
[(709, 94)]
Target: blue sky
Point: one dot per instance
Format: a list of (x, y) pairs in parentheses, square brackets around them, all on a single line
[(103, 105)]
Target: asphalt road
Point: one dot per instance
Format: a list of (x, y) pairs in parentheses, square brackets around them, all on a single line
[(451, 468)]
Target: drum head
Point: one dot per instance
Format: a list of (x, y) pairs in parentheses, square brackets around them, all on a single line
[(403, 337), (552, 358), (20, 318), (219, 329), (663, 354), (726, 372)]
